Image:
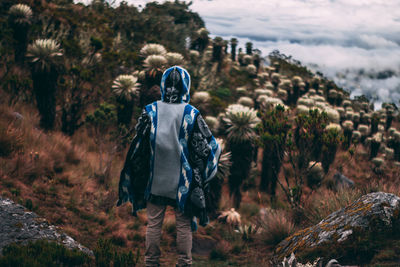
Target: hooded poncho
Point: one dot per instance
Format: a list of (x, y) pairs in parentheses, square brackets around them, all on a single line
[(159, 159)]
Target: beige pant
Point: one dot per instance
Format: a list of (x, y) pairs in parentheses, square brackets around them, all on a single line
[(155, 218)]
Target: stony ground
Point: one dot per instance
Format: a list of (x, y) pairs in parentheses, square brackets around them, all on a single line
[(19, 225)]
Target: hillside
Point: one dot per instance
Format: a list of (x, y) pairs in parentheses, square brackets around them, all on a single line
[(75, 78)]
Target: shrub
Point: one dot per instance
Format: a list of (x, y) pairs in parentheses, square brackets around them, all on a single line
[(42, 253), (45, 56), (276, 225), (107, 255), (324, 202), (11, 140), (241, 122), (302, 147), (331, 140), (273, 134), (220, 252)]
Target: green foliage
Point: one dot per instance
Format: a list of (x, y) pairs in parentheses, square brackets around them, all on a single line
[(29, 204), (219, 253), (241, 122), (308, 135), (222, 93), (273, 131), (42, 253), (96, 43), (107, 254), (104, 116), (302, 147), (331, 140)]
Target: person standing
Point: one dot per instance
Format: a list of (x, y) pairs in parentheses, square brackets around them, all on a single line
[(171, 161)]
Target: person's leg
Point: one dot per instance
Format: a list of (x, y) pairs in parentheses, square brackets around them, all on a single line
[(155, 217), (183, 239)]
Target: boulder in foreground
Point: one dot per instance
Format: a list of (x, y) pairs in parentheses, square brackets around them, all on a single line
[(355, 234), (20, 226)]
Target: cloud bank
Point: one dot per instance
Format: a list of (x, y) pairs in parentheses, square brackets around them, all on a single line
[(354, 42)]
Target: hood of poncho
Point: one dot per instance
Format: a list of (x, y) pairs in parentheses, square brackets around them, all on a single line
[(185, 79)]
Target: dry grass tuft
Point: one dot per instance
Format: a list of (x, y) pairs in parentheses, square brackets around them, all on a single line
[(276, 225), (324, 202)]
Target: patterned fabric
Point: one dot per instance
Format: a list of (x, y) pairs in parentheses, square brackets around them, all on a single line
[(128, 189), (134, 175), (152, 112), (185, 179)]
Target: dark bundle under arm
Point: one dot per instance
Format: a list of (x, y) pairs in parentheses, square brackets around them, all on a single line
[(134, 175)]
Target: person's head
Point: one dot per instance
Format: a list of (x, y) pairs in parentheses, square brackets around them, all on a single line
[(175, 85)]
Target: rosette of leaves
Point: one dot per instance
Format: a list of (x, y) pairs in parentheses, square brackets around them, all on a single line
[(154, 66), (20, 13), (241, 122), (174, 59), (273, 131), (308, 135), (348, 127), (212, 123), (20, 18), (251, 70), (217, 54), (247, 59), (247, 231), (315, 174), (394, 143), (375, 145), (390, 110), (315, 83), (296, 85), (231, 217), (125, 88), (241, 57), (200, 42), (331, 140), (194, 55), (277, 66), (275, 80), (202, 100), (153, 49), (374, 123), (45, 58), (246, 101), (332, 96), (378, 162)]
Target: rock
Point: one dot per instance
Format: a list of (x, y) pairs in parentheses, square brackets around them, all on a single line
[(349, 233), (20, 226), (342, 181)]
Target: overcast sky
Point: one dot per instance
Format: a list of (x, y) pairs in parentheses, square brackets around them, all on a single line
[(348, 40)]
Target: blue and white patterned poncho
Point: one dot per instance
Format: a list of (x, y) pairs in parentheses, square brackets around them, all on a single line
[(170, 169)]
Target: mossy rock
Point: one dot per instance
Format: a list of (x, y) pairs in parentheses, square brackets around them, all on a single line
[(354, 234)]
